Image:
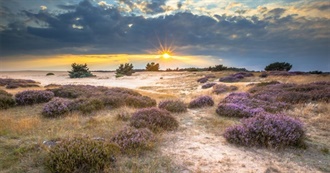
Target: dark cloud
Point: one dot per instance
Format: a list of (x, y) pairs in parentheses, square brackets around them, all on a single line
[(107, 30)]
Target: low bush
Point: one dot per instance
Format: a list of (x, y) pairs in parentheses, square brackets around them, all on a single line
[(201, 101), (292, 93), (139, 101), (267, 130), (6, 100), (81, 155), (263, 75), (210, 76), (80, 71), (173, 106), (229, 79), (154, 119), (57, 107), (89, 105), (134, 140), (202, 80), (50, 74), (221, 88), (31, 97), (237, 110), (208, 85), (15, 83)]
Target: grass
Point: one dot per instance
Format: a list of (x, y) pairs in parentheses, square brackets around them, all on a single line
[(23, 129)]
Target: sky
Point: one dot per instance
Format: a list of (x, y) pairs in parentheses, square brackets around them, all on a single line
[(52, 34)]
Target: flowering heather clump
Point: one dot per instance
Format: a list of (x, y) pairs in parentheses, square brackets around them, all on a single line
[(123, 91), (244, 74), (244, 105), (220, 88), (202, 80), (89, 105), (173, 105), (237, 110), (15, 83), (81, 155), (154, 119), (201, 101), (75, 91), (134, 139), (292, 93), (139, 101), (229, 79), (57, 107), (263, 75), (267, 130), (31, 97), (6, 100), (208, 85)]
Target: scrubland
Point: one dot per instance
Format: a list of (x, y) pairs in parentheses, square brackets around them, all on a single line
[(166, 122)]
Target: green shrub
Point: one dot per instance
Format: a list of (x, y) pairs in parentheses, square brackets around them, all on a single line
[(154, 119), (134, 140), (6, 100), (173, 106), (278, 66), (50, 74), (79, 71), (152, 66), (124, 69), (81, 155)]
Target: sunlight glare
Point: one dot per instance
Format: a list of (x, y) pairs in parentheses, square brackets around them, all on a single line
[(166, 55)]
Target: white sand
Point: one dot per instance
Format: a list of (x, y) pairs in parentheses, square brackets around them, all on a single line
[(138, 79)]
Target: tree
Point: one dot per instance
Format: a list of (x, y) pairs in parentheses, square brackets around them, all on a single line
[(152, 66), (79, 71), (278, 66), (219, 67), (124, 69)]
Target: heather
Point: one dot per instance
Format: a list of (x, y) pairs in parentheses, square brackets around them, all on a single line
[(201, 101), (111, 97), (57, 107), (202, 80), (16, 83), (6, 100), (31, 97), (221, 88), (267, 130), (242, 104), (81, 155), (292, 93), (208, 85), (235, 77), (134, 140), (173, 106), (154, 119)]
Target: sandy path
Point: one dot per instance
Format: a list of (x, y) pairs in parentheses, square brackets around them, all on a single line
[(199, 151)]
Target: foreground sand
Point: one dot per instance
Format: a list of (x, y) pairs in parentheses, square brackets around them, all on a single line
[(198, 145)]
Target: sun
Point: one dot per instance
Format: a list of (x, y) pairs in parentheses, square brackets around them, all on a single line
[(166, 55)]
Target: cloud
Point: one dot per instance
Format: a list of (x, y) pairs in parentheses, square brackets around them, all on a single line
[(43, 7), (101, 28)]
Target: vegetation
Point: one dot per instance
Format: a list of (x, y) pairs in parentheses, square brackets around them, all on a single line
[(201, 101), (81, 155), (57, 107), (124, 69), (50, 74), (16, 83), (6, 100), (267, 130), (208, 85), (133, 140), (31, 97), (79, 71), (173, 106), (154, 119), (152, 66), (278, 66)]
